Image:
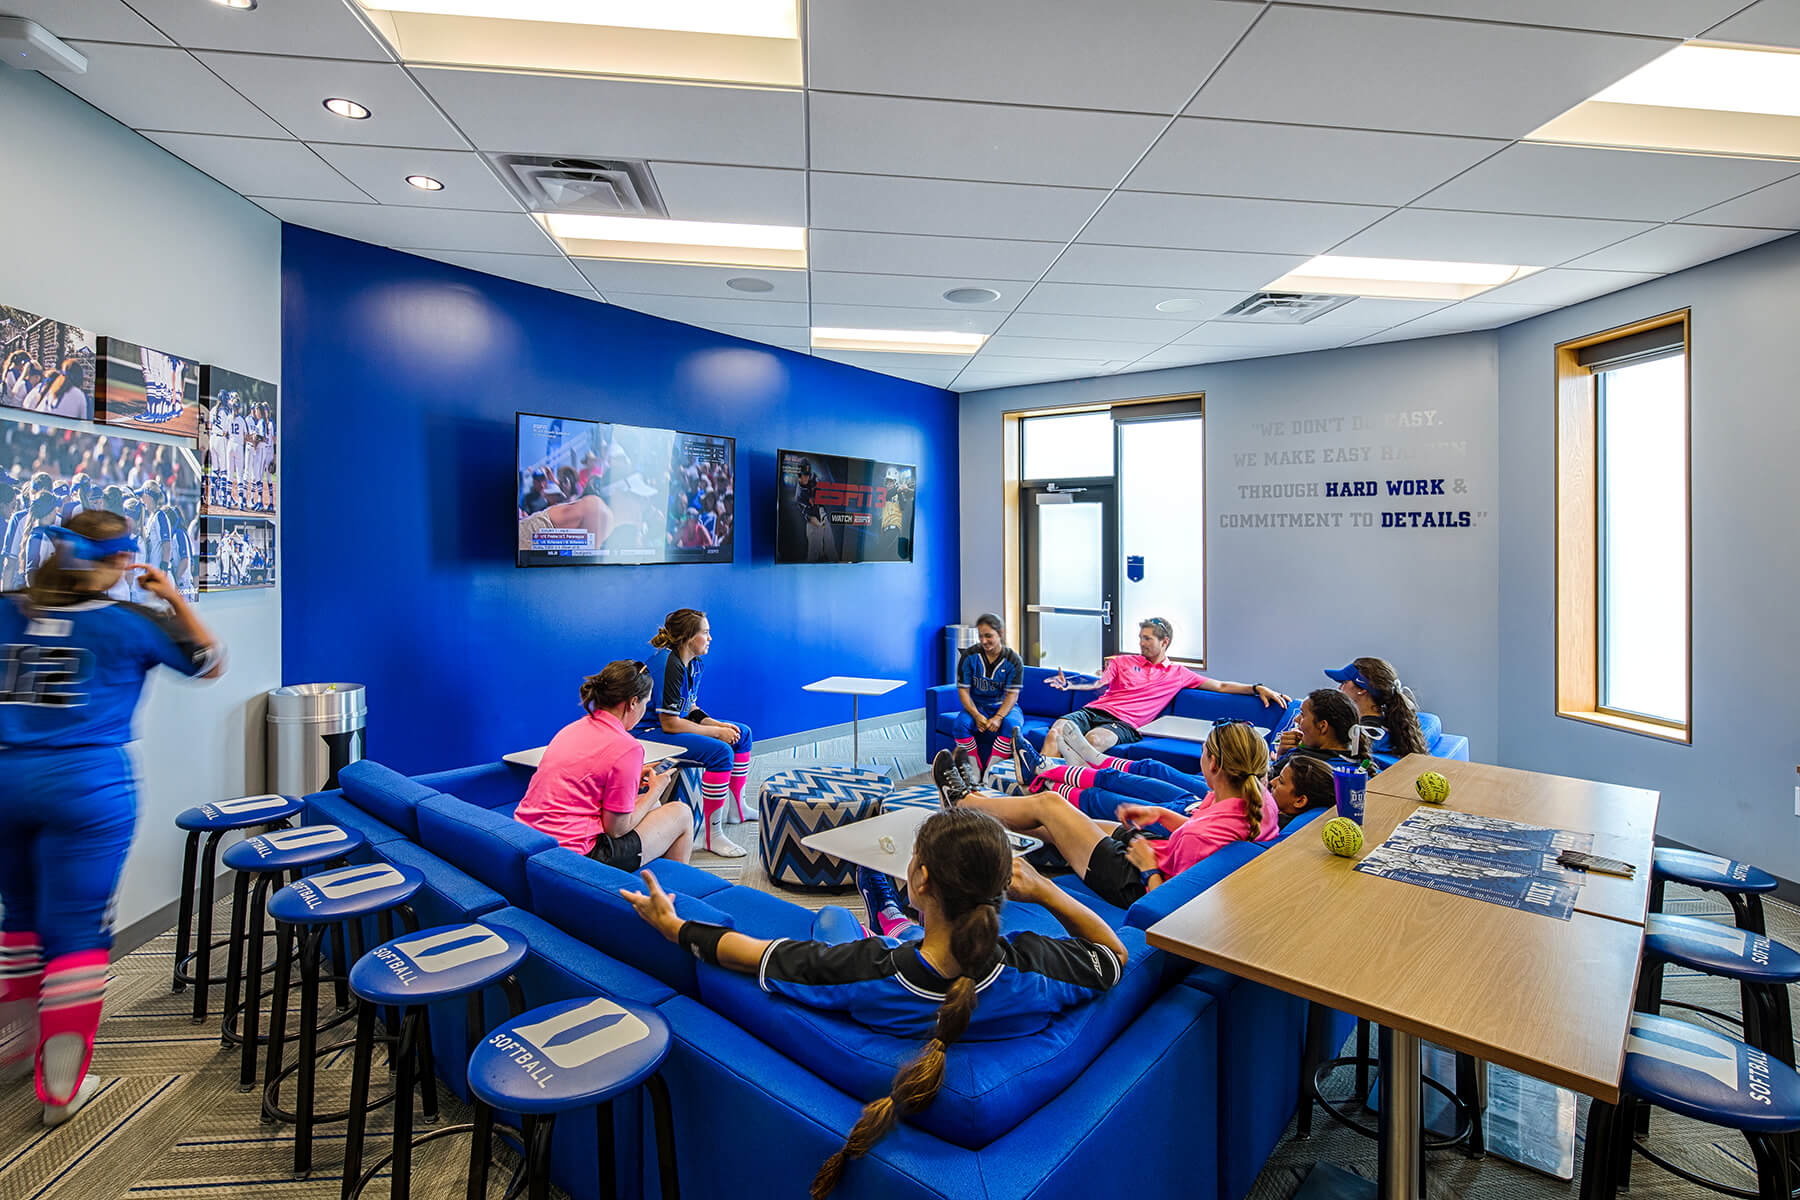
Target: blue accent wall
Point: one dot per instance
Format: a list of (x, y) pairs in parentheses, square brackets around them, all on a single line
[(400, 378)]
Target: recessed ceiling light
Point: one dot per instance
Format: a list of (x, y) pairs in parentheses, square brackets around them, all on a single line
[(657, 239), (1397, 278), (1721, 78), (347, 108), (1181, 304), (749, 283), (971, 295), (425, 183), (898, 341), (238, 4), (732, 18)]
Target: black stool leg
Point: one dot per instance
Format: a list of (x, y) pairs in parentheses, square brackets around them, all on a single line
[(252, 980), (537, 1156), (1468, 1090), (234, 964), (1622, 1140), (1774, 1174), (340, 965), (1747, 909), (278, 1008), (404, 1053), (428, 1105), (665, 1139), (1597, 1154), (1362, 1061), (605, 1159), (481, 1151), (1649, 1000), (202, 968), (358, 1119), (184, 924), (390, 1016), (308, 1043)]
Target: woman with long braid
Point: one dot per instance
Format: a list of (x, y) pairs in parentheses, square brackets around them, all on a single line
[(926, 978), (1385, 705)]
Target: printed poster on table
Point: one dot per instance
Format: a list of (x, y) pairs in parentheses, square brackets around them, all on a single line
[(1485, 858)]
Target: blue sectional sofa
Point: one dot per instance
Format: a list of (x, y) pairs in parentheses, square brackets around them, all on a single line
[(1172, 1057), (1042, 704)]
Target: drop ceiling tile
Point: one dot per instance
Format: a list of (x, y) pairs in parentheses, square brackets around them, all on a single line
[(1111, 300), (1676, 247), (1367, 70), (1466, 317), (782, 336), (1303, 162), (541, 270), (294, 91), (1562, 286), (1149, 58), (943, 139), (695, 310), (1765, 23), (381, 171), (1660, 18), (418, 228), (1193, 356), (307, 28), (1227, 223), (752, 195), (1292, 338), (1774, 207), (998, 371), (1486, 237), (958, 319), (916, 254), (1105, 329), (912, 291), (681, 279), (261, 166), (101, 20), (900, 204), (622, 118), (904, 365), (1370, 312), (1584, 181), (1038, 348), (151, 87), (1141, 266)]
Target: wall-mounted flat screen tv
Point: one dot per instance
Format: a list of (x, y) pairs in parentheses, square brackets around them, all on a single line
[(590, 493), (837, 509)]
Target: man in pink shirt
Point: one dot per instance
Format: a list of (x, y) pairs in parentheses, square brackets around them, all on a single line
[(1134, 689)]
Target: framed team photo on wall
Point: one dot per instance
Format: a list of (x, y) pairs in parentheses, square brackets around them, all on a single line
[(46, 366), (236, 552), (237, 442), (143, 388)]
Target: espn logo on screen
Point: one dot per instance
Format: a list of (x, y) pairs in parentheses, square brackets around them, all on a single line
[(850, 495)]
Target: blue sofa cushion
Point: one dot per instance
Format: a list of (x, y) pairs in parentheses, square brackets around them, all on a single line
[(331, 808), (449, 895), (1178, 891), (1205, 705), (487, 845), (1038, 699), (498, 786), (561, 967), (989, 1087), (384, 794), (581, 897)]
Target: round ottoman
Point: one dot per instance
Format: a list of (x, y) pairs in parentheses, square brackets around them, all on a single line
[(798, 803), (918, 795)]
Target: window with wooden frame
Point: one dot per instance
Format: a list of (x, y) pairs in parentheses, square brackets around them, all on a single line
[(1624, 632)]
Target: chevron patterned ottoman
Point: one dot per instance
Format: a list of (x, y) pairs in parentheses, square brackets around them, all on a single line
[(803, 801)]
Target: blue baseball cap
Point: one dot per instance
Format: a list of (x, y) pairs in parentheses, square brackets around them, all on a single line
[(1349, 674)]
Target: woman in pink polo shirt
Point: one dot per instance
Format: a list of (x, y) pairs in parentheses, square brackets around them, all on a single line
[(1148, 845), (593, 793)]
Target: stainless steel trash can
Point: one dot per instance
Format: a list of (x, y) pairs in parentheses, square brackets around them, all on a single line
[(315, 730), (957, 638)]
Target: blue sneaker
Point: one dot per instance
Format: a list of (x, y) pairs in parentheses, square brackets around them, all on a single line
[(1026, 761), (879, 897)]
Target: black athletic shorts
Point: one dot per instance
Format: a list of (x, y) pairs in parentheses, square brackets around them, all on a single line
[(626, 852), (1089, 719), (1112, 875)]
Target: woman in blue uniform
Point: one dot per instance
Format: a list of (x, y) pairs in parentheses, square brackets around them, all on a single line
[(926, 979), (722, 748), (989, 677), (72, 665)]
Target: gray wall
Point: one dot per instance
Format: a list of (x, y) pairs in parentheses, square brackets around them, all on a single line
[(108, 231), (1732, 791), (1284, 603)]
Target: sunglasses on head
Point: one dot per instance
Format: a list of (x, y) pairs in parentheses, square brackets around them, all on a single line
[(1222, 722)]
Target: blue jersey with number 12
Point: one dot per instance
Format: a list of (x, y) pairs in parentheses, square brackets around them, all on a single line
[(72, 676)]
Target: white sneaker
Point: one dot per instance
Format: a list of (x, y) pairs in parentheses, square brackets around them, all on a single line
[(56, 1114)]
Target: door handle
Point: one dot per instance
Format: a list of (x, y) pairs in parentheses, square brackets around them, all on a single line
[(1106, 613)]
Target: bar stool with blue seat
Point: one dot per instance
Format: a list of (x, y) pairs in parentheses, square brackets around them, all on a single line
[(262, 863), (408, 973), (304, 912), (565, 1056), (1762, 967), (1742, 885), (1704, 1075), (213, 821)]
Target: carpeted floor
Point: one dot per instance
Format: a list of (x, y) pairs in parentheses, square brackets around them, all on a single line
[(170, 1120)]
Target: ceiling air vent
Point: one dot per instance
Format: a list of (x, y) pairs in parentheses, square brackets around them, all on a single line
[(1282, 308), (610, 187)]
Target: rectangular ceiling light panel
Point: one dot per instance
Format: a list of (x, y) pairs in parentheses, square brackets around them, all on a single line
[(1697, 99), (730, 41), (648, 239), (1397, 278), (898, 341)]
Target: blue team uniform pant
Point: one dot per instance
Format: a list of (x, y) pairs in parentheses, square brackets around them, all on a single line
[(1012, 725), (66, 818), (1146, 781), (723, 767)]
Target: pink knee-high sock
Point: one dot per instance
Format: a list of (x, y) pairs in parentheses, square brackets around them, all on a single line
[(1002, 751), (715, 789), (1073, 774), (740, 771), (69, 1003), (1110, 763), (1070, 792), (21, 972)]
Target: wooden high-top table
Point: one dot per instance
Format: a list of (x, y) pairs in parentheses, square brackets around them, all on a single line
[(1550, 999)]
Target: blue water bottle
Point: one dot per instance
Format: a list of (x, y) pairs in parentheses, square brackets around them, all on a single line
[(1351, 782)]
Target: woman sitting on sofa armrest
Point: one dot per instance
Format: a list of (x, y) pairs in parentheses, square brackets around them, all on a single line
[(925, 976)]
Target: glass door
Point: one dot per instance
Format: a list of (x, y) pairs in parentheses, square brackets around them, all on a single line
[(1071, 576)]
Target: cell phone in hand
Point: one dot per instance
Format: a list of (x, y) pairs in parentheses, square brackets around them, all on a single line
[(664, 766)]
